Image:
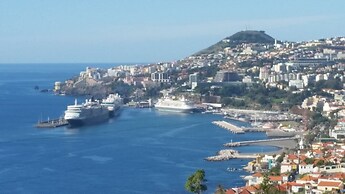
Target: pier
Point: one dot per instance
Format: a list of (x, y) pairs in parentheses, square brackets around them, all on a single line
[(228, 154), (228, 126), (52, 123), (243, 143)]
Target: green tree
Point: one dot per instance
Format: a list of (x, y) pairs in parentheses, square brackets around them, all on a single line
[(320, 163), (275, 170), (309, 160), (265, 186), (281, 157), (196, 182)]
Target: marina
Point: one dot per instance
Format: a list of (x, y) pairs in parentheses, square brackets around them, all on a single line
[(259, 115)]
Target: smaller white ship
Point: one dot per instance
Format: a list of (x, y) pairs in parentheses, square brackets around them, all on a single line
[(178, 105), (113, 103)]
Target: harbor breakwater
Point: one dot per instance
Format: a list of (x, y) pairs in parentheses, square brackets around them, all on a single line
[(228, 154)]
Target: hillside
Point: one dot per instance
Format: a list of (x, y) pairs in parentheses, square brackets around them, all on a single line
[(248, 36)]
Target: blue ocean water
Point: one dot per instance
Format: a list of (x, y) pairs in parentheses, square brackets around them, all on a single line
[(141, 151)]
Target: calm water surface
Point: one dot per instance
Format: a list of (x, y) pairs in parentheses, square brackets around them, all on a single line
[(141, 151)]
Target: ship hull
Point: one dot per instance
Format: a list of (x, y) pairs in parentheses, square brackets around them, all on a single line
[(169, 109), (179, 106), (115, 113), (87, 121), (111, 113)]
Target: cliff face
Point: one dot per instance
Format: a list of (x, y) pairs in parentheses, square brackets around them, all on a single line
[(248, 36), (98, 91)]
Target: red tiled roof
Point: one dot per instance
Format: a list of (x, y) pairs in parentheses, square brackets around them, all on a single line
[(258, 174), (296, 184), (281, 187), (338, 175), (244, 191), (276, 178), (284, 184), (308, 178), (317, 151), (292, 156), (249, 189), (303, 164), (329, 184), (302, 157), (252, 188)]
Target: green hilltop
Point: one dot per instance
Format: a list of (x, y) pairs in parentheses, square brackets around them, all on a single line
[(248, 36)]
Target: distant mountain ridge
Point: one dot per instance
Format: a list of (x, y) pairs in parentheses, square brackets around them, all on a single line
[(248, 36)]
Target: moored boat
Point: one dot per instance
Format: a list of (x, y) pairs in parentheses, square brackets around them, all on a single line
[(178, 105), (90, 112), (113, 103)]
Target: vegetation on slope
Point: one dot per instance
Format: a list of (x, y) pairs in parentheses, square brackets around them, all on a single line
[(248, 36)]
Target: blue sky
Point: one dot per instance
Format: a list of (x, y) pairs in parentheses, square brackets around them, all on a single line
[(77, 31)]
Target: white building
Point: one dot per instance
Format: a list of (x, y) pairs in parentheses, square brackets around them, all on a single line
[(193, 80), (333, 168), (160, 77), (247, 79), (320, 77), (264, 73), (307, 79), (299, 84), (132, 70), (304, 168)]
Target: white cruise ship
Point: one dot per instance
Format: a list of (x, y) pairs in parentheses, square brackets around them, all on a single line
[(113, 103), (87, 113), (180, 105)]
